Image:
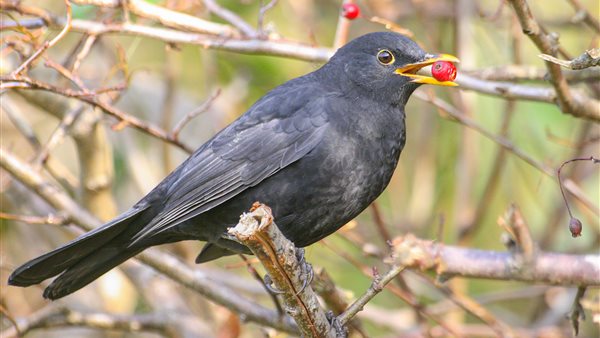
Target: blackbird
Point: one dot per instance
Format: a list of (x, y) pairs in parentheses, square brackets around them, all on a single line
[(317, 149)]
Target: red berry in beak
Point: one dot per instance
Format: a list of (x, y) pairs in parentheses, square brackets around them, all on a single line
[(443, 71), (350, 11)]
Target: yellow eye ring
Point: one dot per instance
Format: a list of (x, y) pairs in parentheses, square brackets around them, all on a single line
[(385, 57)]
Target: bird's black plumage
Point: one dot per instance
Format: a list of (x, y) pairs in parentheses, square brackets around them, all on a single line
[(317, 149)]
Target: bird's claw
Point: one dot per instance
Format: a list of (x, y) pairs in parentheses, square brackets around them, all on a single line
[(306, 270), (269, 285), (340, 330)]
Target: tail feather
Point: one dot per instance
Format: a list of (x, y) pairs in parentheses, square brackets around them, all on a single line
[(70, 255), (88, 269)]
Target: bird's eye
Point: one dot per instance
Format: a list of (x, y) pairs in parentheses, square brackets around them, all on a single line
[(385, 57)]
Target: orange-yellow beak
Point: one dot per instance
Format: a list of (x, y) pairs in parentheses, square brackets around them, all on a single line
[(410, 70)]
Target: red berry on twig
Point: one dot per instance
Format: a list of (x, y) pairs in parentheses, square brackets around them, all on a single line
[(443, 71), (350, 11)]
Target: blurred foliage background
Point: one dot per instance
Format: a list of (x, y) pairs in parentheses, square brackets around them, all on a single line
[(437, 192)]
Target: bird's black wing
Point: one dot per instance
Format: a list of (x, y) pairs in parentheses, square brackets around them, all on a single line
[(279, 129)]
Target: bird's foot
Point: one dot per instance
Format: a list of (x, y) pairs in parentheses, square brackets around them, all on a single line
[(269, 285), (307, 271), (340, 330)]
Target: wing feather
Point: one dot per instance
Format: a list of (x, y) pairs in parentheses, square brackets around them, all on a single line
[(256, 146)]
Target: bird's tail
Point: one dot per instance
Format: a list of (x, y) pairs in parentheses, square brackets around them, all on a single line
[(84, 259)]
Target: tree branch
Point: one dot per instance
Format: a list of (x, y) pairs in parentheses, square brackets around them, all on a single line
[(546, 267), (285, 267)]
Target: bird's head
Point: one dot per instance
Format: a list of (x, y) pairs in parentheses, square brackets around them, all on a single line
[(384, 64)]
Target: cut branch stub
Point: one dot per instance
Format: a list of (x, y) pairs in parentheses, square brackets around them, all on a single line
[(286, 269)]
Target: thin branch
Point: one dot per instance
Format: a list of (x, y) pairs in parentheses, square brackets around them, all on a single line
[(57, 136), (588, 18), (231, 17), (546, 267), (588, 106), (59, 316), (589, 58), (515, 73), (377, 285), (167, 17), (396, 291), (577, 311), (335, 299), (51, 219), (47, 44), (189, 116), (547, 45), (261, 16), (506, 144), (91, 98), (278, 47)]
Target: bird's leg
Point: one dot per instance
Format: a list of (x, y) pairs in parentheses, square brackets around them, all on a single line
[(307, 269), (340, 330)]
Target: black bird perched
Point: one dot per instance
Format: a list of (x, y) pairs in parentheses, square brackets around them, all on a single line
[(317, 149)]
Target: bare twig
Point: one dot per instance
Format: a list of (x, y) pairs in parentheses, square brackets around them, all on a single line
[(92, 99), (577, 311), (514, 73), (246, 46), (47, 44), (589, 58), (508, 90), (189, 116), (231, 17), (57, 136), (515, 225), (59, 316), (286, 269), (588, 18), (23, 23), (549, 268), (548, 45), (168, 17), (335, 299), (51, 219), (398, 292), (505, 143), (261, 16), (377, 285)]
